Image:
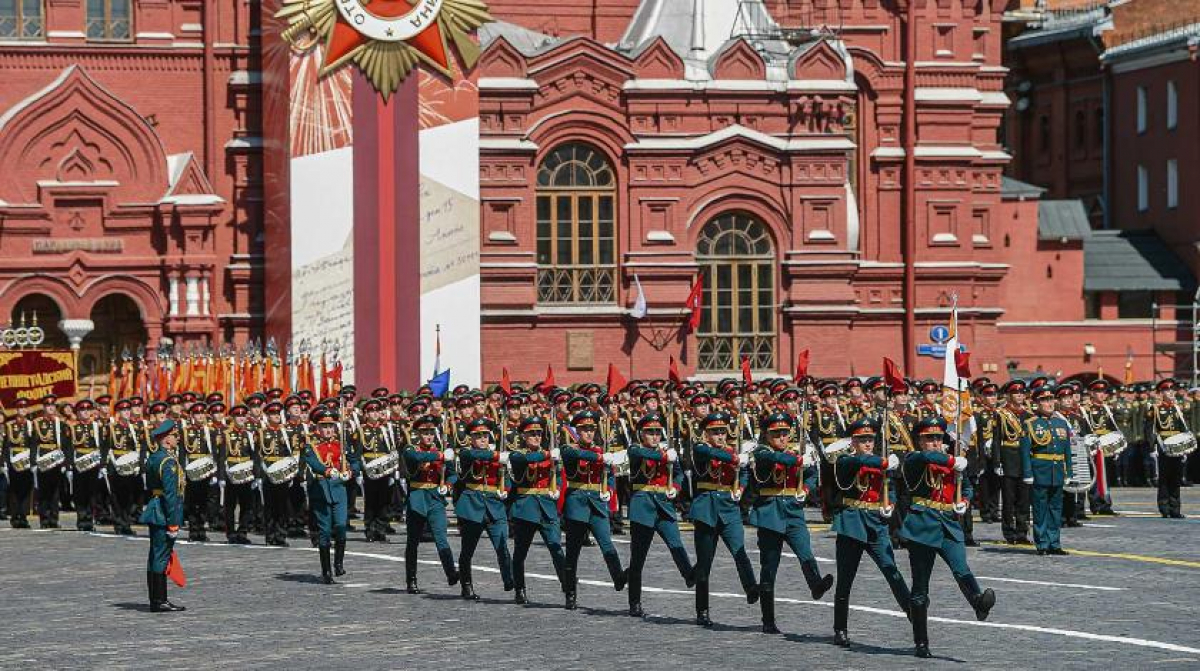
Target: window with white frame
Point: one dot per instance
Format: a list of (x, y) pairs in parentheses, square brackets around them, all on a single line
[(1143, 188), (1172, 105), (1141, 109), (1172, 183)]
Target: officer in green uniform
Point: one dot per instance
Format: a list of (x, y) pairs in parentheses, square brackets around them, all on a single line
[(860, 520), (715, 512), (589, 490), (429, 481), (164, 512), (778, 513), (480, 506), (932, 526), (655, 477), (534, 507), (1046, 462), (329, 467)]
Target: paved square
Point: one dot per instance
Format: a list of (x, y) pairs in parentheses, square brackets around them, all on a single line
[(1128, 597)]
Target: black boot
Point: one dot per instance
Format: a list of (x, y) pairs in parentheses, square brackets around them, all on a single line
[(468, 590), (166, 604), (571, 602), (817, 584), (745, 570), (152, 590), (702, 617), (981, 600), (635, 596), (619, 578), (339, 553), (841, 621), (767, 600), (410, 579), (520, 597), (447, 557), (921, 630), (326, 571)]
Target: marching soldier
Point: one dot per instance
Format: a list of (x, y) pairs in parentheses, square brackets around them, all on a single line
[(480, 507), (932, 527), (164, 512), (125, 442), (238, 447), (1101, 421), (1046, 462), (534, 509), (715, 511), (861, 524), (18, 459), (371, 441), (329, 467), (1007, 436), (197, 443), (778, 513), (89, 454), (654, 479), (430, 480), (1164, 419), (589, 490), (274, 444), (51, 443)]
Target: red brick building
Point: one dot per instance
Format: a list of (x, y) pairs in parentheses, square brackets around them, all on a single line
[(131, 190)]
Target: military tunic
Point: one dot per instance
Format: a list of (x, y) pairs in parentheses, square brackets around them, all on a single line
[(1046, 459), (480, 507), (429, 479), (715, 514), (534, 510), (586, 509)]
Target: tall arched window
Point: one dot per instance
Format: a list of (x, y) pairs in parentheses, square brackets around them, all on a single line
[(738, 319), (576, 227)]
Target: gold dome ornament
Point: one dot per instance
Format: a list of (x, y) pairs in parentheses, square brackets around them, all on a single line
[(386, 39)]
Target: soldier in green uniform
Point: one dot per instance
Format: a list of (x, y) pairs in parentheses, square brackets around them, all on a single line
[(429, 481), (861, 524), (329, 467), (778, 513), (480, 507), (534, 507), (1006, 441), (164, 512), (655, 477), (1046, 462), (715, 512), (932, 526), (586, 508)]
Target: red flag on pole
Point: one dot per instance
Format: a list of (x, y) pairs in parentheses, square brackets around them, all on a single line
[(505, 383), (175, 570), (747, 378), (694, 301), (802, 366), (962, 362), (616, 381), (548, 383), (892, 376), (673, 372)]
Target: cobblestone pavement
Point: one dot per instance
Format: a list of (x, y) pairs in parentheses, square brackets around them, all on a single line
[(1128, 597)]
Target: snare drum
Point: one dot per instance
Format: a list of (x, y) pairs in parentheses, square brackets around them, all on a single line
[(1179, 445), (283, 470), (127, 464), (1112, 444), (200, 468), (20, 461), (240, 473), (50, 460)]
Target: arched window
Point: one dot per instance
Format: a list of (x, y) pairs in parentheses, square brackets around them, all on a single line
[(738, 318), (576, 227), (109, 20), (21, 20)]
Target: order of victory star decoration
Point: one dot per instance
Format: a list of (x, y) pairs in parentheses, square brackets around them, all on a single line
[(386, 39)]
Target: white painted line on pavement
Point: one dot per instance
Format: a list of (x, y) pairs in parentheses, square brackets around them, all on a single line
[(1100, 588)]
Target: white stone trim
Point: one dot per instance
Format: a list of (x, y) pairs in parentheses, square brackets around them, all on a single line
[(501, 236), (739, 85), (68, 34), (660, 236), (155, 36), (994, 99), (507, 144), (508, 83), (736, 130), (947, 94)]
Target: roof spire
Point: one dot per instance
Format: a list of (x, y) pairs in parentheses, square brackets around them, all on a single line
[(697, 28)]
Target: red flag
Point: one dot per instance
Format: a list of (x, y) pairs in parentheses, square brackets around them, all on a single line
[(548, 383), (673, 372), (802, 366), (175, 570), (962, 362), (694, 301), (747, 378), (891, 375), (616, 381), (505, 383)]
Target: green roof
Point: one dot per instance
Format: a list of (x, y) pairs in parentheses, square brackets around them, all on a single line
[(1063, 220), (1132, 261)]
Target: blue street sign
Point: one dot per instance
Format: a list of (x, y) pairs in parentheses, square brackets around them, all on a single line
[(936, 351), (939, 334)]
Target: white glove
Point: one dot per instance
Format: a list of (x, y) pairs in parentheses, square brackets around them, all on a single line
[(1068, 481), (448, 454), (503, 494), (809, 459), (555, 454), (672, 493), (443, 490), (172, 535), (619, 458), (736, 496), (504, 458), (887, 511), (359, 481), (255, 484), (748, 446), (961, 507), (605, 496), (1000, 471), (1028, 481), (743, 459), (672, 455), (213, 481), (1091, 440), (960, 464), (103, 472), (607, 458), (391, 481), (893, 462)]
